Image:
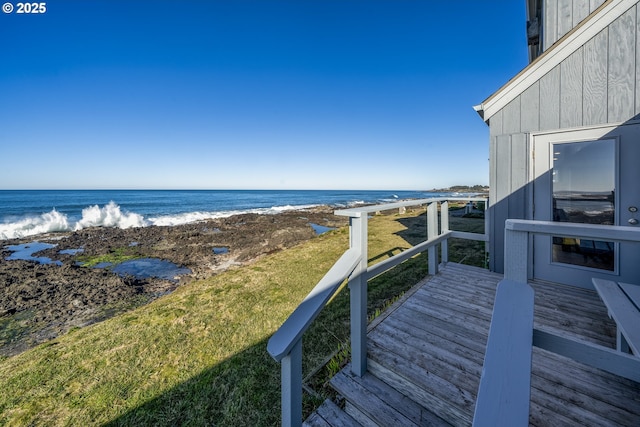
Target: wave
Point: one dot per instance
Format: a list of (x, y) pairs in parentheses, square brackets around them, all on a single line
[(189, 217), (111, 215), (30, 226)]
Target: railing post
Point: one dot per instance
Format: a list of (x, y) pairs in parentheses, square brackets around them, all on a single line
[(444, 226), (358, 295), (486, 231), (432, 231), (291, 379), (516, 245)]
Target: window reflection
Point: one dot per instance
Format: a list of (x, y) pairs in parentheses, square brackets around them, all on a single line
[(584, 192)]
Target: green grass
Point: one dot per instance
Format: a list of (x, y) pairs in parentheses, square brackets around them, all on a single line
[(114, 257), (198, 356)]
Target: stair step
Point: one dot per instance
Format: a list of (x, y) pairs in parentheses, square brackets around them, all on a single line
[(372, 402), (330, 415), (440, 406)]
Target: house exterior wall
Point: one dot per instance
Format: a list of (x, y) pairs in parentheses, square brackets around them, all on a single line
[(561, 16), (597, 84)]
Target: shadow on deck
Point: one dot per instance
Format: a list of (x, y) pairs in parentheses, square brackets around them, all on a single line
[(425, 357)]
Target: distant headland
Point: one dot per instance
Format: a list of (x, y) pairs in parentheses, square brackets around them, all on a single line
[(463, 189)]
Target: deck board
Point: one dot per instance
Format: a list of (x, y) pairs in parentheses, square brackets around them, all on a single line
[(330, 415), (430, 346), (376, 394)]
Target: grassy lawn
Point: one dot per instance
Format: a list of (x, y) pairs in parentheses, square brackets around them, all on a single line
[(198, 356)]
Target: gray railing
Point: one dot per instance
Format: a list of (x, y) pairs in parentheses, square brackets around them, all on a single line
[(285, 345), (503, 395), (516, 255)]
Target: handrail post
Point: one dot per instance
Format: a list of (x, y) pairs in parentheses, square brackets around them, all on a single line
[(432, 231), (487, 224), (358, 295), (291, 379), (285, 345), (516, 244), (444, 226)]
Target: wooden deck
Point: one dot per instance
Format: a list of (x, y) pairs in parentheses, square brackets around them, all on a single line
[(425, 358)]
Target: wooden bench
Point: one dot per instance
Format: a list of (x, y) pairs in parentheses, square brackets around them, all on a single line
[(623, 303), (505, 384)]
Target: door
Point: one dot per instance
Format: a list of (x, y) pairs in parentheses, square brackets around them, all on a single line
[(586, 176)]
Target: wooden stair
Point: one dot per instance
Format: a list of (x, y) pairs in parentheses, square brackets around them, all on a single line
[(373, 402), (369, 401), (329, 415)]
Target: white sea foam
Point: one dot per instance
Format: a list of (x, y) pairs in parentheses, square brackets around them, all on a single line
[(189, 217), (109, 216), (276, 209), (32, 225), (94, 216), (185, 218)]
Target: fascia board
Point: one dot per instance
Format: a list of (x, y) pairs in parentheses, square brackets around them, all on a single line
[(561, 50)]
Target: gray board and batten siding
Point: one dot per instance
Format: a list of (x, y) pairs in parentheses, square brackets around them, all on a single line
[(597, 84), (561, 16)]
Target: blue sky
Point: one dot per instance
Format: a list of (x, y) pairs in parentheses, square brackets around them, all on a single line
[(253, 94)]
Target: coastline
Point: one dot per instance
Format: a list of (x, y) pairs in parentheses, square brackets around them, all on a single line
[(42, 301), (34, 212)]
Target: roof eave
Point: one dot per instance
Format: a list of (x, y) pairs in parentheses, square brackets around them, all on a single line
[(480, 110), (562, 49)]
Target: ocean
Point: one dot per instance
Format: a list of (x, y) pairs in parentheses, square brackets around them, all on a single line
[(32, 212)]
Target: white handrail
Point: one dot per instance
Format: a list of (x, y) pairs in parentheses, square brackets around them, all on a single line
[(389, 263), (504, 391), (516, 261), (568, 229), (351, 212), (285, 345), (490, 407), (292, 329)]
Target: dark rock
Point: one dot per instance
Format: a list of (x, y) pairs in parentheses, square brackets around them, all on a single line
[(50, 299)]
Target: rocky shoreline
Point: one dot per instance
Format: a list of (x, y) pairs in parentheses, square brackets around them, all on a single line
[(42, 301)]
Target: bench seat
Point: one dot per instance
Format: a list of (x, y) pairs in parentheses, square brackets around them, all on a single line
[(505, 384), (622, 301)]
